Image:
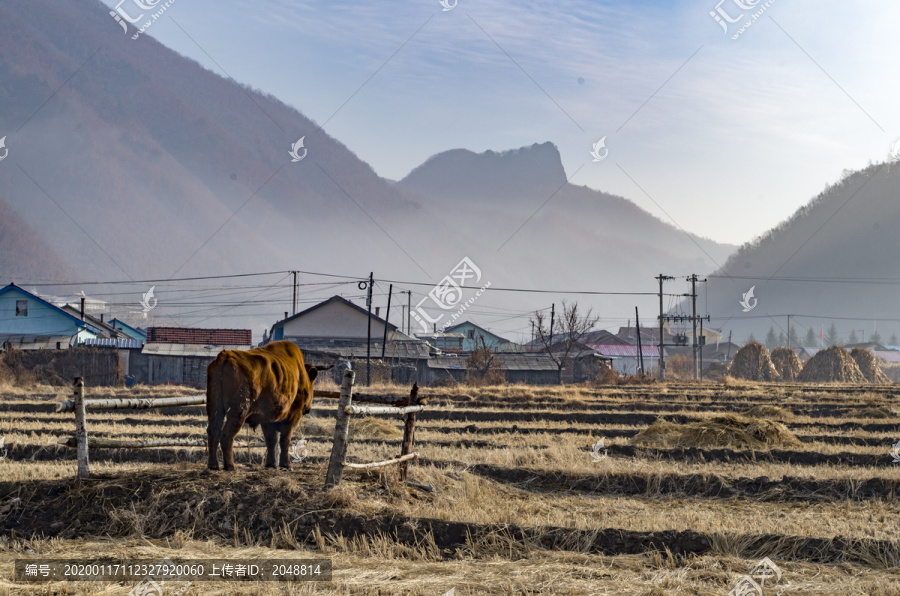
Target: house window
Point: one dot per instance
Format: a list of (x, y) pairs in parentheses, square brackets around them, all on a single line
[(471, 334), (21, 308)]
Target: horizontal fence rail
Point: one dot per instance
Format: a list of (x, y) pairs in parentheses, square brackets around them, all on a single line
[(146, 403), (134, 403), (382, 464), (382, 410), (99, 443)]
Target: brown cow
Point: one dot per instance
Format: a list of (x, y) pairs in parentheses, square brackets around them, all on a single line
[(270, 386)]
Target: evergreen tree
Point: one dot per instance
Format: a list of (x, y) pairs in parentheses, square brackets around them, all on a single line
[(831, 337), (782, 339), (810, 338), (795, 340), (893, 339), (876, 337), (771, 339), (751, 338), (853, 338)]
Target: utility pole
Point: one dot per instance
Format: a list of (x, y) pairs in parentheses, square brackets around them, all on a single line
[(295, 291), (702, 343), (637, 323), (728, 354), (369, 331), (408, 311), (789, 331), (552, 317), (387, 317), (694, 279), (662, 361)]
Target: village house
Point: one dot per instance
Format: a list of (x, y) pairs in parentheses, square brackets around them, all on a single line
[(337, 330), (474, 336), (180, 355), (28, 322)]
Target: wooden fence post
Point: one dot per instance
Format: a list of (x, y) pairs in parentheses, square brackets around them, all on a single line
[(409, 430), (341, 431), (81, 429)]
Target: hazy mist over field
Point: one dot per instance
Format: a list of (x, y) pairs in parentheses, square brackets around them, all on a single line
[(566, 146)]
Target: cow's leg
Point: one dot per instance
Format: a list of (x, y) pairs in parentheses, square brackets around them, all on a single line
[(215, 422), (287, 432), (233, 424), (270, 431)]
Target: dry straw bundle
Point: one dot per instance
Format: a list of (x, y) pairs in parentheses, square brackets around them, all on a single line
[(786, 363), (868, 365), (833, 365), (729, 430), (752, 363)]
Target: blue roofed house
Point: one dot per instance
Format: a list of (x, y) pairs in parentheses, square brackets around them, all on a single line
[(132, 332), (473, 335), (28, 322)]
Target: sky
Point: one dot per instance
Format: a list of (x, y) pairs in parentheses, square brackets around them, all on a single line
[(723, 137)]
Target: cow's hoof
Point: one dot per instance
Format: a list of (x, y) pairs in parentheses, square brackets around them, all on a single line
[(213, 466), (285, 466), (271, 466), (229, 468)]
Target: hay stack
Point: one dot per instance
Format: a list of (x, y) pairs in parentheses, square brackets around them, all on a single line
[(833, 365), (729, 430), (769, 411), (752, 363), (786, 363), (868, 365)]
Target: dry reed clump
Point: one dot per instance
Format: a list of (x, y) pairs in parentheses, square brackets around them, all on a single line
[(752, 362), (606, 375), (871, 412), (717, 371), (868, 365), (786, 363), (833, 365), (729, 430), (372, 427), (362, 427), (769, 411)]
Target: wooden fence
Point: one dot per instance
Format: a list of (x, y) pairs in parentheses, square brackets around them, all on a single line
[(390, 405), (337, 463)]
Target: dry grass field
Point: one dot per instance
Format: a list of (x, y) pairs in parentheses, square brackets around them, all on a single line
[(519, 506)]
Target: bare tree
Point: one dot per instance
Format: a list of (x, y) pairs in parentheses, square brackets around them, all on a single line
[(572, 326), (482, 366)]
